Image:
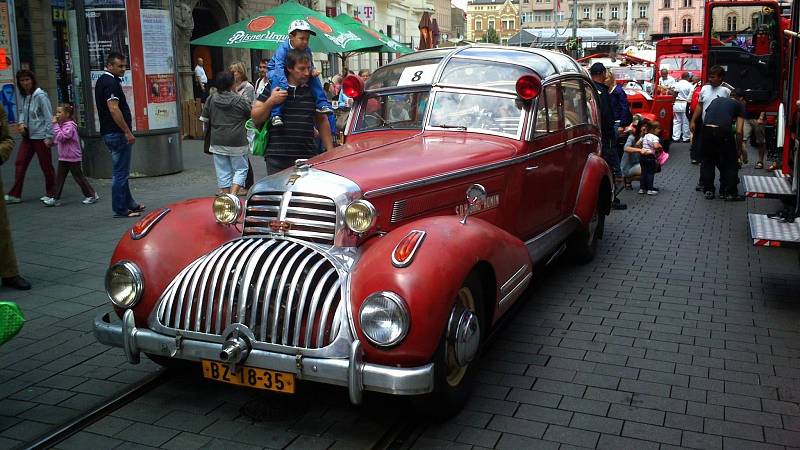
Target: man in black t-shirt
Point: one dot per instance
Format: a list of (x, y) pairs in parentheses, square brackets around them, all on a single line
[(115, 128), (721, 146), (295, 140), (598, 73)]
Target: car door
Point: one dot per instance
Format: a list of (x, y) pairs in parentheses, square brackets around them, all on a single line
[(581, 136), (541, 203)]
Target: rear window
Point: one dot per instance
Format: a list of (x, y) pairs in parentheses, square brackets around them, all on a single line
[(484, 74)]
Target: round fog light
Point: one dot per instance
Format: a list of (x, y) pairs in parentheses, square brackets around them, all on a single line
[(124, 284), (227, 208), (360, 216), (384, 318)]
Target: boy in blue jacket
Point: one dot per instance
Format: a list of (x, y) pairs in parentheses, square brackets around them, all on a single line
[(299, 34)]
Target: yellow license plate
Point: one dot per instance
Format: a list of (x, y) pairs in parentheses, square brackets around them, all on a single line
[(250, 376)]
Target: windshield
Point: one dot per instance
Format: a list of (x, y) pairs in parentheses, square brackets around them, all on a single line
[(484, 74), (391, 112), (414, 72), (497, 115), (682, 63)]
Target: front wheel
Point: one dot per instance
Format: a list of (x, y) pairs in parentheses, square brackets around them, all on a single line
[(582, 245), (453, 363)]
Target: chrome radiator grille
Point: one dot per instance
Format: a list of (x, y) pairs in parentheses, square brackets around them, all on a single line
[(308, 217), (286, 293)]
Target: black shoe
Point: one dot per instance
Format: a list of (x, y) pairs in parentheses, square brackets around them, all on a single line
[(709, 195), (276, 121), (734, 198), (699, 188), (16, 282), (695, 162), (619, 206)]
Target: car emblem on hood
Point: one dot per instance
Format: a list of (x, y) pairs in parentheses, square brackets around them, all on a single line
[(280, 226), (292, 179)]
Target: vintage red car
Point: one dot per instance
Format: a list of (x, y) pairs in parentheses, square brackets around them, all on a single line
[(381, 265)]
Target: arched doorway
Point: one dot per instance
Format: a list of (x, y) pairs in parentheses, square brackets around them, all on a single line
[(208, 17)]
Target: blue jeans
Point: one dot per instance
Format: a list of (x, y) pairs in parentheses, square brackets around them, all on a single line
[(121, 199), (609, 153), (230, 170), (316, 89)]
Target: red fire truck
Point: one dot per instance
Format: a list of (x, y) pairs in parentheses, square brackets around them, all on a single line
[(756, 41)]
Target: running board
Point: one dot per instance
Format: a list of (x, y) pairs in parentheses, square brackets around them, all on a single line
[(767, 187), (546, 243), (769, 232)]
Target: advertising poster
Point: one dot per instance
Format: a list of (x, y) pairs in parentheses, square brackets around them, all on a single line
[(159, 66), (161, 101), (8, 89), (81, 111)]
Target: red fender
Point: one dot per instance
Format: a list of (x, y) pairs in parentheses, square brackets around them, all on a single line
[(429, 285), (187, 232), (595, 173)]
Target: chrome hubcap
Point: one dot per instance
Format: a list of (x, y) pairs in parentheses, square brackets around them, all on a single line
[(463, 337)]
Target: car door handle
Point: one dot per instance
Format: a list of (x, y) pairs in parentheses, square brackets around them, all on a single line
[(529, 168)]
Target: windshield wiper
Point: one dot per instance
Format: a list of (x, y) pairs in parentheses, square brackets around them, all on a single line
[(452, 127)]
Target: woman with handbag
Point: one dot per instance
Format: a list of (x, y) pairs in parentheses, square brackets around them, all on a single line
[(224, 114), (36, 127)]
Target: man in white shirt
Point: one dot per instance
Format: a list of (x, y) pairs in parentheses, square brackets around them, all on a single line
[(201, 80), (666, 82), (262, 76), (709, 92), (680, 121)]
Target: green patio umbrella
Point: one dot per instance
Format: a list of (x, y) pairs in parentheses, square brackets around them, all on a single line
[(268, 29), (384, 44)]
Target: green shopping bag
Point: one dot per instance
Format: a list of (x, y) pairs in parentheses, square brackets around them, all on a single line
[(258, 145), (11, 321)]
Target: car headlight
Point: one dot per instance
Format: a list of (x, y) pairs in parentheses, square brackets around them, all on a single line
[(227, 208), (384, 318), (124, 284), (360, 216)]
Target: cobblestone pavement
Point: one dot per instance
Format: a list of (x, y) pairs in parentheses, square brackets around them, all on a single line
[(679, 334)]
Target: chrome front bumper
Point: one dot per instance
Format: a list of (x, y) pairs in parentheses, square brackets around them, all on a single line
[(353, 372)]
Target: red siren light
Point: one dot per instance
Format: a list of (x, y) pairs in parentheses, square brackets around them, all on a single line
[(353, 86), (529, 87)]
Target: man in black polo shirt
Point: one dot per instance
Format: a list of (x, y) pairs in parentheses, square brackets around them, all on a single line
[(721, 145), (115, 128), (295, 140)]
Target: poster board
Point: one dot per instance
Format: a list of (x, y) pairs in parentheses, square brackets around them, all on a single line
[(142, 32)]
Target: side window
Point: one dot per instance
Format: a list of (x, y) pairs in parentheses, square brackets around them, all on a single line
[(541, 117), (593, 115), (555, 107), (574, 103)]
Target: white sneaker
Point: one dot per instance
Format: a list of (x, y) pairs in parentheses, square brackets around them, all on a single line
[(641, 191), (50, 201), (90, 200), (652, 192), (10, 199), (43, 198)]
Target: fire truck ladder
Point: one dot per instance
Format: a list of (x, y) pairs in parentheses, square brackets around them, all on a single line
[(781, 229)]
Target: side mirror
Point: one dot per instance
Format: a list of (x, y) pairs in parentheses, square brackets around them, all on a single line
[(476, 198)]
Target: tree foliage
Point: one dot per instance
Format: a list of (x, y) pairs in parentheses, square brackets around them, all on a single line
[(491, 37)]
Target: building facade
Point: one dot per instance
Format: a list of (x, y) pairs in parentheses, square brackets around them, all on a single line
[(539, 14), (673, 18), (613, 17), (441, 12), (502, 16), (458, 23)]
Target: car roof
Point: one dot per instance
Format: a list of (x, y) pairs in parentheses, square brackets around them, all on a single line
[(546, 63)]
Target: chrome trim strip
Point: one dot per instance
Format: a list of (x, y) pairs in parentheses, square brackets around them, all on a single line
[(268, 294), (516, 291), (222, 304), (398, 211), (287, 317), (137, 236), (326, 306), (464, 172), (540, 246), (312, 312), (303, 300), (245, 258), (244, 290), (215, 282), (282, 248), (513, 279), (287, 269)]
